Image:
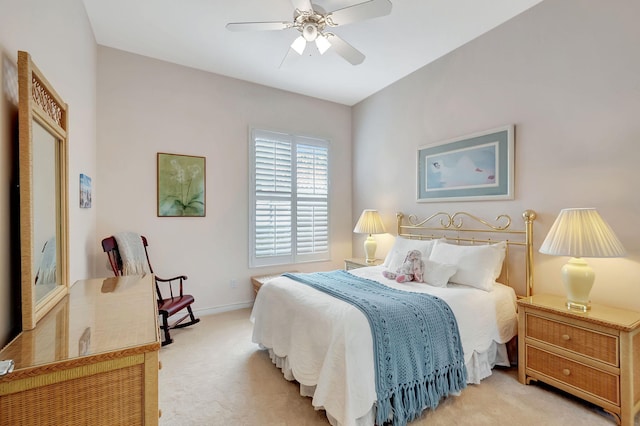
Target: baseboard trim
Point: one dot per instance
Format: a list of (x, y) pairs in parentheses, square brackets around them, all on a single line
[(221, 309)]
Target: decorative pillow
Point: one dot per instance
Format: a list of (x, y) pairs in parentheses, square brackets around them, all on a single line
[(412, 269), (477, 266), (401, 247), (437, 274)]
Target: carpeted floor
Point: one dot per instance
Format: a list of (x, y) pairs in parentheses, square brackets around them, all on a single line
[(213, 375)]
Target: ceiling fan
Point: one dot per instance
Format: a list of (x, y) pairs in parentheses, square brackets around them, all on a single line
[(313, 22)]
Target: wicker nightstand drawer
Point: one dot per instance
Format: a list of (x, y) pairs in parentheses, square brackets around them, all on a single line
[(603, 347), (593, 355), (582, 377)]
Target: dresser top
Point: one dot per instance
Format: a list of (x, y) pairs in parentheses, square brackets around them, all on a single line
[(617, 318), (98, 317)]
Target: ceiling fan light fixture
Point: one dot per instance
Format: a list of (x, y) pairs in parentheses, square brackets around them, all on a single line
[(322, 44), (310, 31), (299, 45), (311, 20)]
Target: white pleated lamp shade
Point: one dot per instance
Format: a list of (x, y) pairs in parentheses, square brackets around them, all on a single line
[(369, 223), (581, 233)]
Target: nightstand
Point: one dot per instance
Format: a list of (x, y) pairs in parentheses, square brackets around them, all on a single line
[(593, 355), (360, 262)]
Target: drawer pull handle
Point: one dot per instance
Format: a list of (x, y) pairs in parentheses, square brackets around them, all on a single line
[(566, 337), (566, 371)]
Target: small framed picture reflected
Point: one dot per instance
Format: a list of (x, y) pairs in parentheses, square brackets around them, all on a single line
[(85, 191)]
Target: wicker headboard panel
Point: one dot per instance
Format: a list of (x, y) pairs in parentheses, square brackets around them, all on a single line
[(465, 228)]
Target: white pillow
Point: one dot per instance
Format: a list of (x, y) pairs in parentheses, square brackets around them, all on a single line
[(477, 266), (401, 247), (437, 274)]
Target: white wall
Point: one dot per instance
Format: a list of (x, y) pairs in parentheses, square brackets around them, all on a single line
[(60, 40), (146, 106), (567, 74)]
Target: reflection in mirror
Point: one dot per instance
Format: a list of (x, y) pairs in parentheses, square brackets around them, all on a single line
[(44, 211), (43, 120)]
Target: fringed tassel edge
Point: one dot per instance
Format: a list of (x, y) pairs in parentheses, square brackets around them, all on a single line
[(407, 402)]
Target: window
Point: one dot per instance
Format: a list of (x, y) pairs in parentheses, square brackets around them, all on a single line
[(289, 220)]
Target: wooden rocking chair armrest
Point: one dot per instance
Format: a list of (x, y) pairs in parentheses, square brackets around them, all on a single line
[(180, 279)]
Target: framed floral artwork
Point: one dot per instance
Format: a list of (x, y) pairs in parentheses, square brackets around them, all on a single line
[(181, 185), (468, 168)]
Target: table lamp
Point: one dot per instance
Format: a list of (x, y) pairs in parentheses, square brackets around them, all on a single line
[(370, 223), (580, 233)]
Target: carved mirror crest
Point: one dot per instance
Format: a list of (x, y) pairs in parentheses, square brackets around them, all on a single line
[(43, 120)]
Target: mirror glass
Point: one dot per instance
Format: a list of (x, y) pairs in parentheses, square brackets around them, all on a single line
[(44, 211), (43, 120)]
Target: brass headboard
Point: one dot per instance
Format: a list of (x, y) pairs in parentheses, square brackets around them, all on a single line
[(477, 231)]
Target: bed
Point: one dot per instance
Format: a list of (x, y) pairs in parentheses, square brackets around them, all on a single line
[(326, 344)]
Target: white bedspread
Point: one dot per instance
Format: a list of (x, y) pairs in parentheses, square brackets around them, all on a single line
[(325, 342)]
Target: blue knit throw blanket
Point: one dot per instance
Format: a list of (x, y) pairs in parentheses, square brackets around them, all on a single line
[(416, 343)]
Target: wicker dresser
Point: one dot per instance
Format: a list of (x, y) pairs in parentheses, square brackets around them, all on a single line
[(593, 355), (93, 359)]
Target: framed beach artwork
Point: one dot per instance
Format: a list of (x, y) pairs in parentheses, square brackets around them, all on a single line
[(181, 185), (85, 191), (469, 168)]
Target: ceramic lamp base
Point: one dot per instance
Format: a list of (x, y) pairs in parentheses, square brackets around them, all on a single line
[(370, 247), (578, 277)]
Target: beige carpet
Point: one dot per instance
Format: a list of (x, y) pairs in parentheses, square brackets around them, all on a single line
[(213, 375)]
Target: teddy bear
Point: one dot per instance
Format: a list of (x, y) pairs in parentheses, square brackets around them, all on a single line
[(412, 269)]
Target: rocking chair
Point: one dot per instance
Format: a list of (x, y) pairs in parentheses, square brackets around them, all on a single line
[(167, 306)]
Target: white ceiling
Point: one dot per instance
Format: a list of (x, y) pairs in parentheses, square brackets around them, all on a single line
[(192, 33)]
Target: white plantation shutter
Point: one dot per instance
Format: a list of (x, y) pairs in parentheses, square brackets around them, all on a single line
[(273, 228), (312, 210), (272, 189), (289, 199)]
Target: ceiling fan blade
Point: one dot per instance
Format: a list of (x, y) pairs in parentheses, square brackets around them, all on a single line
[(258, 26), (302, 4), (358, 12), (344, 49)]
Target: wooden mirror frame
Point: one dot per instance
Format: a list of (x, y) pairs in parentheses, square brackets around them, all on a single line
[(39, 103)]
